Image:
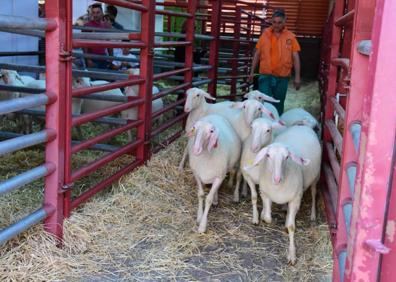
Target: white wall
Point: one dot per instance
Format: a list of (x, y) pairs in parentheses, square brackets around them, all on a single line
[(12, 42)]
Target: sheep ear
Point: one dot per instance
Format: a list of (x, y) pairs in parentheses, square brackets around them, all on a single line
[(207, 95), (269, 98), (213, 141), (278, 124), (301, 122), (237, 105), (299, 160), (246, 95), (260, 156), (264, 110)]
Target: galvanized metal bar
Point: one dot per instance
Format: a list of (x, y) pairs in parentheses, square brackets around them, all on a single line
[(82, 43), (98, 187), (23, 224), (97, 164), (79, 92), (105, 112), (169, 107), (166, 91), (168, 124), (201, 82), (18, 104), (26, 177), (169, 73), (21, 89), (104, 58), (25, 141), (167, 142), (107, 35), (173, 13), (20, 53), (19, 22), (29, 32), (167, 44), (105, 136)]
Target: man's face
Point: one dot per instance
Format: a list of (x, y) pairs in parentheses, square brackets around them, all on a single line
[(96, 14), (278, 24)]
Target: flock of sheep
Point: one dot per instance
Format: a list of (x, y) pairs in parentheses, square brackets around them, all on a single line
[(249, 140), (281, 154), (79, 106)]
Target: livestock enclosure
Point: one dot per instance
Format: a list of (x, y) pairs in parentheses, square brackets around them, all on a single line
[(141, 228)]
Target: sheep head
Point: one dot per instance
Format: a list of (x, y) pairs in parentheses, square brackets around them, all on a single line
[(276, 156), (262, 132), (205, 136), (259, 96), (252, 109), (195, 97)]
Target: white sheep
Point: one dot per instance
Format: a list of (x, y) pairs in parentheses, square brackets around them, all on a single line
[(261, 97), (12, 78), (290, 166), (299, 116), (239, 114), (27, 79), (214, 150), (261, 135)]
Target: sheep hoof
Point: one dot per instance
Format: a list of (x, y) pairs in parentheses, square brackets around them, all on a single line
[(313, 218), (267, 220), (235, 199), (291, 260), (201, 229), (255, 221), (180, 169)]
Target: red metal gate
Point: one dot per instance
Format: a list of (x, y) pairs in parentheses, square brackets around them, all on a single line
[(359, 149)]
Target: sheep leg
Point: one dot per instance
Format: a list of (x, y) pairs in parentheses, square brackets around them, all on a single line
[(244, 190), (253, 192), (266, 212), (216, 199), (294, 205), (201, 195), (209, 200), (238, 179), (236, 189), (313, 195), (183, 160)]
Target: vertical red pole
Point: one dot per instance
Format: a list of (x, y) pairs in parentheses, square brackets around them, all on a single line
[(55, 85), (377, 148), (235, 52), (214, 45), (68, 112), (190, 30), (146, 72)]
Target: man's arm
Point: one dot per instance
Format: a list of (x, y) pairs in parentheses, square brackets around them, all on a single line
[(256, 59), (297, 68)]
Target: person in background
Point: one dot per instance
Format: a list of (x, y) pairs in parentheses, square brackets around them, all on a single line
[(277, 52), (112, 12), (96, 21), (122, 65)]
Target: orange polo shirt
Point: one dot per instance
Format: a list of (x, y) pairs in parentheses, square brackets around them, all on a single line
[(276, 53)]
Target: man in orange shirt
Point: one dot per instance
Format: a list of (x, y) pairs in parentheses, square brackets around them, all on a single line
[(277, 51)]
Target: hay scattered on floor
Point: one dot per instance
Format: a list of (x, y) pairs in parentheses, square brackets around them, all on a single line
[(144, 229)]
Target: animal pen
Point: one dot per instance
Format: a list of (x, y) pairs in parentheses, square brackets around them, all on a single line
[(358, 120)]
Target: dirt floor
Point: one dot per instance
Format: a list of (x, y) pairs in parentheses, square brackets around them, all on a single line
[(143, 229)]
